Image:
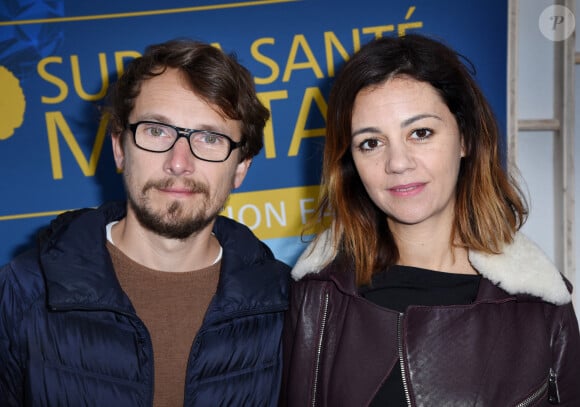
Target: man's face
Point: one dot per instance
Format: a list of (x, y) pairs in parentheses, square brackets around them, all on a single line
[(175, 194)]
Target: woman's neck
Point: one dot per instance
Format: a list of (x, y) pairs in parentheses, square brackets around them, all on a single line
[(429, 250)]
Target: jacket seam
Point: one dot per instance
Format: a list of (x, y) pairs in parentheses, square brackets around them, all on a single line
[(91, 374)]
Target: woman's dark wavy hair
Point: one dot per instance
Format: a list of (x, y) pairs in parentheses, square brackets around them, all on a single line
[(490, 207), (213, 75)]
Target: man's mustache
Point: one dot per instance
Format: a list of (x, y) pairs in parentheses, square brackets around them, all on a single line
[(188, 184)]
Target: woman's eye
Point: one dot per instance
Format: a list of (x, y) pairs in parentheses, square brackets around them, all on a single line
[(369, 144), (421, 134)]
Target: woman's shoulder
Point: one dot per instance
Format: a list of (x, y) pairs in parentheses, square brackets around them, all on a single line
[(316, 257), (523, 268)]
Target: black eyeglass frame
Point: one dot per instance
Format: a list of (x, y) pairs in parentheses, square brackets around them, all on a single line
[(185, 133)]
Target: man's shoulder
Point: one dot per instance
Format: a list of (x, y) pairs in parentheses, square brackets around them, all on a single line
[(21, 281), (224, 225), (239, 241), (81, 217), (78, 231), (235, 236)]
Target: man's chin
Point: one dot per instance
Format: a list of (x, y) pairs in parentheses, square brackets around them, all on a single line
[(172, 227), (173, 221), (178, 230)]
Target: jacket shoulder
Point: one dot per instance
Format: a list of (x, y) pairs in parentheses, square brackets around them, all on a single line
[(523, 268), (21, 285), (238, 240), (81, 220)]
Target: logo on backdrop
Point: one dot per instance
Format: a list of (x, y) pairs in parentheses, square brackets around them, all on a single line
[(12, 104), (557, 23)]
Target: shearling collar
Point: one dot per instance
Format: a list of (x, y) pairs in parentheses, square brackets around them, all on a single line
[(522, 268)]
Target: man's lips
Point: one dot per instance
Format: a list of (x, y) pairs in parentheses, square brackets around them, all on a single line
[(181, 191), (177, 190), (183, 188)]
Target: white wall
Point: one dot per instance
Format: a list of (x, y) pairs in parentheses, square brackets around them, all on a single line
[(535, 149)]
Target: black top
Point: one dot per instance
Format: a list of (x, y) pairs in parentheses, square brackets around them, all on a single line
[(402, 286)]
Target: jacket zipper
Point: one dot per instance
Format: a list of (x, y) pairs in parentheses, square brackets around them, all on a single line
[(553, 391), (535, 396), (552, 382), (319, 348), (400, 347)]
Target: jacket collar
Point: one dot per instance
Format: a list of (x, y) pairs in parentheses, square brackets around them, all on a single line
[(79, 272), (521, 269), (76, 263), (251, 279)]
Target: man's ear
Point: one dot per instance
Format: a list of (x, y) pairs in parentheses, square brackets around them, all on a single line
[(241, 171), (118, 151)]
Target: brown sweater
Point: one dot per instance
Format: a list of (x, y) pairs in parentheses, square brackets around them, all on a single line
[(172, 307)]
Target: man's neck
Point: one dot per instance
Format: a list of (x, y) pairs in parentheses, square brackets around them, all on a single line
[(160, 253)]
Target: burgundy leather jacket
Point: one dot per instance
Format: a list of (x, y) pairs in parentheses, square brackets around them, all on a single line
[(517, 344)]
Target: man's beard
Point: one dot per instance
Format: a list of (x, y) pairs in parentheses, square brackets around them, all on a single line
[(172, 224)]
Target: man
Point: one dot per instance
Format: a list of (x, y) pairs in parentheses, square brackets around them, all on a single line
[(158, 301)]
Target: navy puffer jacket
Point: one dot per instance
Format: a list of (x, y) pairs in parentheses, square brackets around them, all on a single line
[(69, 335)]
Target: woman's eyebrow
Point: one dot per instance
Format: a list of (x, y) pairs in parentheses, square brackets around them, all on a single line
[(365, 130), (413, 119)]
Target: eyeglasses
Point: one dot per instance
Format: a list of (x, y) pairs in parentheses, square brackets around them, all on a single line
[(204, 144)]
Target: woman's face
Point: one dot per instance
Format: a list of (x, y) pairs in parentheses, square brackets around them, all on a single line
[(407, 149)]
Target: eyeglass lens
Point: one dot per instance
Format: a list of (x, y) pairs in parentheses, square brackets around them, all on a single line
[(159, 137)]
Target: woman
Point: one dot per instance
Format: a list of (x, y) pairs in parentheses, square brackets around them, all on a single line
[(422, 292)]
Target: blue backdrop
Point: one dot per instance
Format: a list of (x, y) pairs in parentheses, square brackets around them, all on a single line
[(58, 57)]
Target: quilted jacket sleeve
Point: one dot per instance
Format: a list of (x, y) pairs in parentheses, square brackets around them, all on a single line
[(11, 380)]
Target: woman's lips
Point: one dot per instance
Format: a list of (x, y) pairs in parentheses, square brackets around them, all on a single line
[(407, 189)]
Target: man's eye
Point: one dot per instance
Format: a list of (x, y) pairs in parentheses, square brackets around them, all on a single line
[(210, 138), (157, 131)]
